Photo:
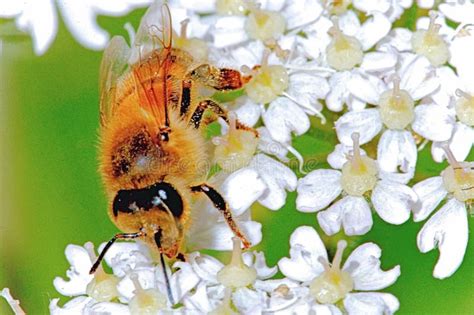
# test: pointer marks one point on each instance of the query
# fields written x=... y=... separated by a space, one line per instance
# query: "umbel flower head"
x=387 y=91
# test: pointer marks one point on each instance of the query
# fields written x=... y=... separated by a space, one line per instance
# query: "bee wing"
x=150 y=67
x=154 y=32
x=113 y=65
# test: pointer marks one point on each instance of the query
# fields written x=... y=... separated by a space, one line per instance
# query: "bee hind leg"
x=221 y=79
x=197 y=117
x=222 y=206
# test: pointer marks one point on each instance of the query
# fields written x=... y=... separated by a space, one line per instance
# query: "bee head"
x=160 y=206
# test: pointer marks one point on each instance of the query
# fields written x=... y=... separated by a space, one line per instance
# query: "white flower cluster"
x=396 y=90
x=203 y=285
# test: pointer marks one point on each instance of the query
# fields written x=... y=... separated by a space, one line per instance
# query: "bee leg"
x=219 y=79
x=109 y=244
x=218 y=111
x=221 y=205
x=185 y=97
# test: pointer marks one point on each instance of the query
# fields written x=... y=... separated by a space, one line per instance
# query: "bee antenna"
x=163 y=266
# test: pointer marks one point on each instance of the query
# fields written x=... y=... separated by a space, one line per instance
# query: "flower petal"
x=277 y=177
x=126 y=256
x=366 y=122
x=317 y=190
x=352 y=212
x=397 y=150
x=78 y=273
x=306 y=89
x=338 y=93
x=366 y=88
x=107 y=308
x=267 y=145
x=430 y=193
x=433 y=122
x=257 y=260
x=284 y=117
x=393 y=201
x=460 y=144
x=242 y=188
x=364 y=266
x=371 y=303
x=247 y=111
x=219 y=235
x=81 y=19
x=373 y=30
x=305 y=249
x=414 y=72
x=183 y=280
x=74 y=306
x=297 y=14
x=447 y=229
x=229 y=30
x=40 y=19
x=248 y=301
x=378 y=61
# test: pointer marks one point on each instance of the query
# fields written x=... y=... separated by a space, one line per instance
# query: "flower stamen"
x=237 y=274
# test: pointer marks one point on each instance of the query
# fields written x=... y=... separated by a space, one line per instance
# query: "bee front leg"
x=219 y=79
x=222 y=206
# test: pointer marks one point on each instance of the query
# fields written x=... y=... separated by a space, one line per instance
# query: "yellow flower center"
x=264 y=25
x=267 y=83
x=194 y=46
x=145 y=302
x=103 y=287
x=458 y=178
x=430 y=44
x=343 y=52
x=396 y=107
x=359 y=173
x=465 y=108
x=333 y=284
x=237 y=274
x=235 y=149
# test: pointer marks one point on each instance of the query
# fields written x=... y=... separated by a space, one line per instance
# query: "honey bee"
x=151 y=116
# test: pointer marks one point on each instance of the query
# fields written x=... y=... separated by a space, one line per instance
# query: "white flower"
x=309 y=264
x=233 y=283
x=285 y=101
x=39 y=18
x=395 y=109
x=208 y=227
x=458 y=11
x=447 y=229
x=391 y=199
x=137 y=284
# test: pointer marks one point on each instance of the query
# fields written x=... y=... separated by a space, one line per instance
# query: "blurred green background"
x=52 y=195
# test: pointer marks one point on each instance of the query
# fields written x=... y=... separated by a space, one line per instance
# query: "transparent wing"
x=154 y=32
x=114 y=63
